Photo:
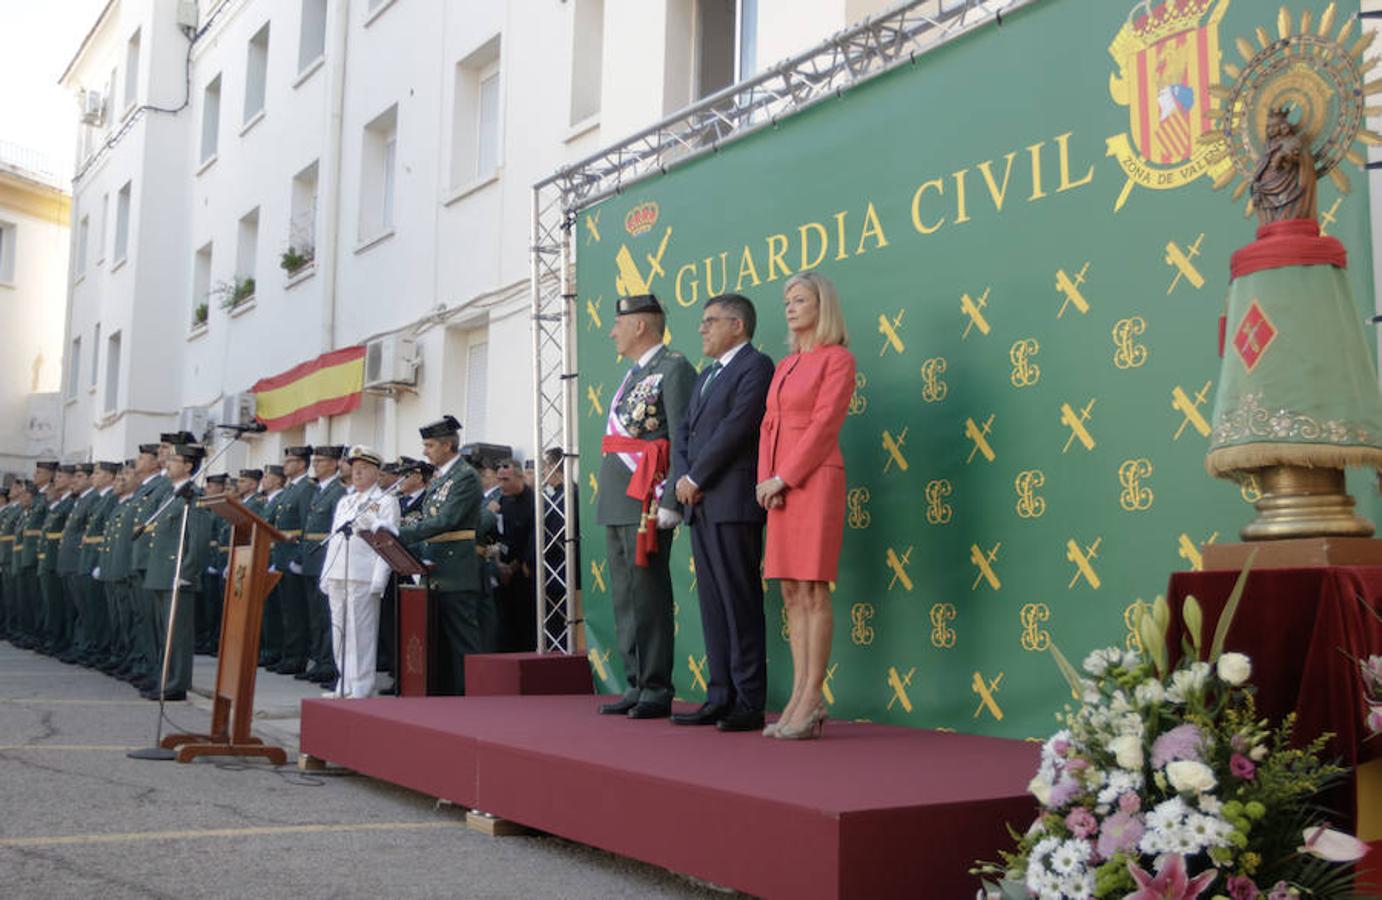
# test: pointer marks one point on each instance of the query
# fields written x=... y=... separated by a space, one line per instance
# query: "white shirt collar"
x=648 y=357
x=299 y=478
x=730 y=353
x=323 y=485
x=417 y=493
x=107 y=489
x=273 y=495
x=178 y=484
x=151 y=477
x=446 y=466
x=85 y=492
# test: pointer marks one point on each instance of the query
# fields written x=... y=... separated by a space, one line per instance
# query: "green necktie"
x=714 y=370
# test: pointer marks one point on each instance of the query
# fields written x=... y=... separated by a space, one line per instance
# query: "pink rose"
x=1241 y=887
x=1081 y=822
x=1242 y=767
x=1375 y=718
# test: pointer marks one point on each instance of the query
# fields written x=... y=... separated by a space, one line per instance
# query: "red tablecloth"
x=1293 y=623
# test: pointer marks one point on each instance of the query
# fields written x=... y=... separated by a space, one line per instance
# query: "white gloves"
x=96 y=572
x=273 y=568
x=667 y=519
x=211 y=570
x=295 y=567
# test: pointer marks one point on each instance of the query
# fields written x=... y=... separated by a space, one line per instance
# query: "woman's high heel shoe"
x=809 y=730
x=770 y=730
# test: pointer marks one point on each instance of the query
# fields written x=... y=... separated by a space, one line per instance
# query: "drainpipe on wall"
x=329 y=242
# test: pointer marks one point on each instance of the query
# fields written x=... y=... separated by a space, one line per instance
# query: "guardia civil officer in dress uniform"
x=7 y=513
x=57 y=627
x=272 y=511
x=74 y=581
x=24 y=563
x=293 y=587
x=152 y=489
x=98 y=605
x=316 y=529
x=450 y=516
x=212 y=596
x=113 y=560
x=163 y=572
x=248 y=485
x=638 y=514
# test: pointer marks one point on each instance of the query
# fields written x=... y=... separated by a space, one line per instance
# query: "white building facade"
x=35 y=210
x=264 y=181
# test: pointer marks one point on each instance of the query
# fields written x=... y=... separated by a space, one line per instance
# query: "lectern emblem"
x=414 y=655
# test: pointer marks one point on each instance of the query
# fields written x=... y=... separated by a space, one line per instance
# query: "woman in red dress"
x=801 y=482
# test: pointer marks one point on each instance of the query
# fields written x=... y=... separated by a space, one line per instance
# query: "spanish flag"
x=329 y=385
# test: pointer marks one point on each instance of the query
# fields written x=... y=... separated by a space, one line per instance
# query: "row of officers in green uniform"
x=88 y=559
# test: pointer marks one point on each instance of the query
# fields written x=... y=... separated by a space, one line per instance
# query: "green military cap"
x=328 y=451
x=150 y=449
x=638 y=303
x=86 y=468
x=273 y=469
x=446 y=425
x=254 y=474
x=111 y=467
x=68 y=469
x=177 y=437
x=219 y=478
x=49 y=464
x=304 y=452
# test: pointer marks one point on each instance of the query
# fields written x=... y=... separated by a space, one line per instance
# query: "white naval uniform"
x=353 y=579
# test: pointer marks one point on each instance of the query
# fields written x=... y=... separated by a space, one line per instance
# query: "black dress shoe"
x=168 y=697
x=618 y=707
x=742 y=719
x=326 y=676
x=708 y=714
x=307 y=674
x=651 y=711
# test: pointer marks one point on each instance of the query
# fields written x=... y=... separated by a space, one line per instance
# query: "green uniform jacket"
x=70 y=546
x=53 y=524
x=163 y=547
x=8 y=518
x=30 y=532
x=663 y=389
x=316 y=526
x=148 y=497
x=94 y=536
x=451 y=504
x=113 y=554
x=288 y=515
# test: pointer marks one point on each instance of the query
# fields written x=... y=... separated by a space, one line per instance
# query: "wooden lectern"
x=248 y=582
x=414 y=655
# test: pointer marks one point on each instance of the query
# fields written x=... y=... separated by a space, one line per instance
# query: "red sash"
x=652 y=470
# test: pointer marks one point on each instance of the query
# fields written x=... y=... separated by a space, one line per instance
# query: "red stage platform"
x=868 y=811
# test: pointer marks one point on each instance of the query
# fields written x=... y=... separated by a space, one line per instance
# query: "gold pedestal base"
x=1301 y=502
x=1294 y=553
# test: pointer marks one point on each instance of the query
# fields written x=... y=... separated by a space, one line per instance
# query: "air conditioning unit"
x=187 y=14
x=391 y=360
x=196 y=420
x=237 y=410
x=93 y=108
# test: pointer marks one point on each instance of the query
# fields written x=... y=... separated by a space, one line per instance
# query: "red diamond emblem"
x=1254 y=335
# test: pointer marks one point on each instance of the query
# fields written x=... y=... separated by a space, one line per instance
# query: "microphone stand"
x=186 y=492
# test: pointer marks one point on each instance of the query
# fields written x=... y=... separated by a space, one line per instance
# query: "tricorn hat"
x=638 y=303
x=446 y=425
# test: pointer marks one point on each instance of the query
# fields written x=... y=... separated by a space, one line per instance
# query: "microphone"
x=255 y=427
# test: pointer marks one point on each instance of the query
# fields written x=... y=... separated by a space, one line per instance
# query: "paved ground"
x=80 y=819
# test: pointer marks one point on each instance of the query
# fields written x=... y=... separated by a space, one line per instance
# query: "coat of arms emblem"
x=1168 y=57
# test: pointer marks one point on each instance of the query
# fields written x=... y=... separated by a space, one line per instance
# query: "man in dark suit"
x=714 y=468
x=517 y=619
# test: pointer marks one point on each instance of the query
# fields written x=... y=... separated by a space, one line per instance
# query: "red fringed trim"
x=1293 y=242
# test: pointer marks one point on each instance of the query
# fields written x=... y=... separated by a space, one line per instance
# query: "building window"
x=211 y=118
x=587 y=53
x=476 y=373
x=377 y=176
x=122 y=223
x=74 y=371
x=722 y=49
x=83 y=238
x=201 y=286
x=101 y=228
x=95 y=355
x=7 y=246
x=112 y=372
x=247 y=255
x=475 y=116
x=302 y=227
x=257 y=73
x=132 y=70
x=312 y=39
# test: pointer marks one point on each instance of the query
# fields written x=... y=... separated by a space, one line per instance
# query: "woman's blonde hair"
x=830 y=318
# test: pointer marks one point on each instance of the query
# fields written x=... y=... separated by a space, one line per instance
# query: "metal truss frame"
x=857 y=54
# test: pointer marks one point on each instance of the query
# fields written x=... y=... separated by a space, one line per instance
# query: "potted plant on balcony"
x=235 y=292
x=199 y=315
x=296 y=258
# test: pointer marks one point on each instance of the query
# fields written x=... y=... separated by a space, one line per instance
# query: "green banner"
x=1033 y=264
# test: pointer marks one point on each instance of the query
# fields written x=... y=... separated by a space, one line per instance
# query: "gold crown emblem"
x=641 y=218
x=1150 y=21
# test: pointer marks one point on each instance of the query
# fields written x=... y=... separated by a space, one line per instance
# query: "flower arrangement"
x=1165 y=783
x=1372 y=684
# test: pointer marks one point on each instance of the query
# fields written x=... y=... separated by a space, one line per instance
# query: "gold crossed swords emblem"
x=592 y=226
x=1330 y=216
x=974 y=310
x=698 y=672
x=1190 y=553
x=1180 y=260
x=899 y=564
x=597 y=571
x=890 y=328
x=1076 y=423
x=894 y=447
x=1190 y=409
x=899 y=684
x=984 y=563
x=826 y=690
x=1082 y=557
x=592 y=309
x=978 y=434
x=595 y=394
x=986 y=690
x=1070 y=289
x=630 y=280
x=598 y=660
